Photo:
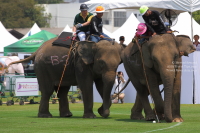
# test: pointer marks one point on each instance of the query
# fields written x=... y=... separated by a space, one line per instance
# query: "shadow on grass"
x=133 y=121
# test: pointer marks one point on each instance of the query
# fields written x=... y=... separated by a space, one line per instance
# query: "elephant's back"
x=49 y=50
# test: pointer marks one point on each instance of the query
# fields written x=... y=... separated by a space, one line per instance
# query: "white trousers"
x=82 y=35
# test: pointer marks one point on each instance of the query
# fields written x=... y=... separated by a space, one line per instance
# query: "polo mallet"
x=73 y=39
x=122 y=88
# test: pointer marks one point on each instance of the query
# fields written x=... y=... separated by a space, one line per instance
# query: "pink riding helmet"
x=141 y=29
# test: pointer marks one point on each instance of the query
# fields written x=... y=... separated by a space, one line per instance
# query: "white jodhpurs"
x=82 y=35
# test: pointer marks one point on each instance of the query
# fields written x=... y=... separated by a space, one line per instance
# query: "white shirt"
x=121 y=85
x=197 y=47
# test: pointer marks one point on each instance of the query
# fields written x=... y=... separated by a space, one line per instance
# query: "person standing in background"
x=196 y=42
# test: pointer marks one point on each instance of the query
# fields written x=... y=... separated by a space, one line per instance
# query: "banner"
x=197 y=77
x=26 y=87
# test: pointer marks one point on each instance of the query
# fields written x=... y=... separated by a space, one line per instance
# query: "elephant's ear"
x=86 y=51
x=147 y=56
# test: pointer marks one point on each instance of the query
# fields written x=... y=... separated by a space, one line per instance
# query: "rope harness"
x=72 y=49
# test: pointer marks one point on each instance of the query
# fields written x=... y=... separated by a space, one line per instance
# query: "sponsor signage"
x=26 y=87
x=32 y=41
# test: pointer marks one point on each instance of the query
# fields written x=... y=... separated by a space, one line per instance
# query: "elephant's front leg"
x=176 y=97
x=87 y=92
x=63 y=102
x=85 y=82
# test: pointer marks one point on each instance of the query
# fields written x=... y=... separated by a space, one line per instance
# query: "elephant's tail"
x=32 y=57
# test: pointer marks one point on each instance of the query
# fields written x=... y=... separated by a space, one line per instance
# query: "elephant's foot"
x=48 y=115
x=178 y=120
x=67 y=114
x=105 y=113
x=137 y=116
x=150 y=117
x=89 y=115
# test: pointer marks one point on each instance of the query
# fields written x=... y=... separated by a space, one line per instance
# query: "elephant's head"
x=185 y=45
x=104 y=55
x=104 y=58
x=166 y=48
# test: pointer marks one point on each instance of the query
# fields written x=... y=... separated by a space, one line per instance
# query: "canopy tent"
x=177 y=5
x=67 y=29
x=127 y=30
x=107 y=32
x=6 y=37
x=35 y=29
x=29 y=44
x=183 y=25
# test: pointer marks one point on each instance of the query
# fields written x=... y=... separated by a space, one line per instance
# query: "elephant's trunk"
x=108 y=81
x=167 y=76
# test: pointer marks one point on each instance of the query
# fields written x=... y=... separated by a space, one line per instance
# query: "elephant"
x=160 y=60
x=90 y=62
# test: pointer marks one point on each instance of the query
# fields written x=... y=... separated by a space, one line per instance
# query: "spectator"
x=196 y=42
x=1 y=72
x=81 y=23
x=119 y=84
x=121 y=41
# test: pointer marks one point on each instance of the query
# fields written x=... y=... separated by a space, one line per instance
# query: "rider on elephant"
x=96 y=26
x=143 y=33
x=153 y=21
x=81 y=23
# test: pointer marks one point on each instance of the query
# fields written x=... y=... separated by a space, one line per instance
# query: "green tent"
x=29 y=44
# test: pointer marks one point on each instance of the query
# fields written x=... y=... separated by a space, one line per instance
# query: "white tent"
x=127 y=30
x=35 y=29
x=6 y=38
x=67 y=29
x=107 y=33
x=178 y=5
x=183 y=25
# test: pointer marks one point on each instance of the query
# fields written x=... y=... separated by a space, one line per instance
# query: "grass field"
x=23 y=119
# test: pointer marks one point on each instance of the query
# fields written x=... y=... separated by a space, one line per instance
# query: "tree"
x=48 y=1
x=196 y=16
x=22 y=14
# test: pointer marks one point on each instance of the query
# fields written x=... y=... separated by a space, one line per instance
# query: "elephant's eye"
x=101 y=63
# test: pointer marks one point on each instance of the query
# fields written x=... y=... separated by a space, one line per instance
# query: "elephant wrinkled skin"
x=162 y=63
x=92 y=62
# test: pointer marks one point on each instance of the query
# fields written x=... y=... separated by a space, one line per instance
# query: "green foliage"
x=48 y=1
x=22 y=14
x=196 y=16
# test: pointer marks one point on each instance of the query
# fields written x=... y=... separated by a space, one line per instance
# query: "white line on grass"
x=147 y=131
x=165 y=128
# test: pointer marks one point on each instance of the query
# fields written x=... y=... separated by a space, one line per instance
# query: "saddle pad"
x=63 y=40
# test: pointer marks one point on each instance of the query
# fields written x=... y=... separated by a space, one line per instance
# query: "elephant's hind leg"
x=136 y=111
x=44 y=105
x=63 y=102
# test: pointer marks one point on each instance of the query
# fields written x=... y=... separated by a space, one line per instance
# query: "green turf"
x=23 y=119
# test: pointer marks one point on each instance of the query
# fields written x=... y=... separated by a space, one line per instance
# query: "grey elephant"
x=162 y=64
x=91 y=62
